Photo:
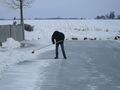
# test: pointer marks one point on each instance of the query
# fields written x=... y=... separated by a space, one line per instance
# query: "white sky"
x=64 y=8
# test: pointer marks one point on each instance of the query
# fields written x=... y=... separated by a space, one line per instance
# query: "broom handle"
x=47 y=46
x=59 y=41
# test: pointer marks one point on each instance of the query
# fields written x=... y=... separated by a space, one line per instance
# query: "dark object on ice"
x=28 y=27
x=74 y=38
x=95 y=38
x=117 y=37
x=92 y=38
x=85 y=38
x=59 y=37
x=33 y=51
x=0 y=43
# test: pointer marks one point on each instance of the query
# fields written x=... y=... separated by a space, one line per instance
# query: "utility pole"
x=21 y=17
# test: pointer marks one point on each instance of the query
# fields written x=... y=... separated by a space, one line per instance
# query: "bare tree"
x=112 y=15
x=19 y=4
x=118 y=17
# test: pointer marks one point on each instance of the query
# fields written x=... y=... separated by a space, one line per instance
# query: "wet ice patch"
x=118 y=87
x=93 y=76
x=92 y=87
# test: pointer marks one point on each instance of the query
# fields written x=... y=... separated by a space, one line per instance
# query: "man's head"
x=56 y=32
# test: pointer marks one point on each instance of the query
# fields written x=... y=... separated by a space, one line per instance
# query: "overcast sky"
x=64 y=8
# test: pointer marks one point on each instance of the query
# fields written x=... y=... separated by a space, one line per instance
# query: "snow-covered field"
x=11 y=52
x=99 y=29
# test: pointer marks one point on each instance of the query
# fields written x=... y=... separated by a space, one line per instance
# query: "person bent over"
x=58 y=39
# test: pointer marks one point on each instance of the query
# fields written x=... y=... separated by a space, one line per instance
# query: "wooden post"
x=21 y=17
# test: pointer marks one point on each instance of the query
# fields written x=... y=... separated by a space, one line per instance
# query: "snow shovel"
x=44 y=46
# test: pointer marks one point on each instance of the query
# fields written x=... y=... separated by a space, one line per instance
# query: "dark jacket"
x=58 y=37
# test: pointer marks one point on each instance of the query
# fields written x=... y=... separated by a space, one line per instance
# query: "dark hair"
x=56 y=32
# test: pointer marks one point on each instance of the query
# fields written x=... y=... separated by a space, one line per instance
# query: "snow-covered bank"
x=11 y=53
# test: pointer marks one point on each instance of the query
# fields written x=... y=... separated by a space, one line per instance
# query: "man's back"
x=58 y=36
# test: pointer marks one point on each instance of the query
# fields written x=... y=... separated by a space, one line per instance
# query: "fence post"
x=10 y=31
x=0 y=43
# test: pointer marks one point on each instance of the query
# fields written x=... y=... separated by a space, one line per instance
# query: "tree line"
x=111 y=15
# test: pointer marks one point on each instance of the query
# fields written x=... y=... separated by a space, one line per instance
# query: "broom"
x=44 y=47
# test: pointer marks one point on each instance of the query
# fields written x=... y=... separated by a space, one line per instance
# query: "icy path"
x=91 y=65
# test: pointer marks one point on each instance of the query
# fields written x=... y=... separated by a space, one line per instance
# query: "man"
x=59 y=37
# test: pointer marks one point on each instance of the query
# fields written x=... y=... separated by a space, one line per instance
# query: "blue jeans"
x=62 y=48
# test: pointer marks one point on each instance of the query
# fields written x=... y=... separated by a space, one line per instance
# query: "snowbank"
x=10 y=54
x=11 y=43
